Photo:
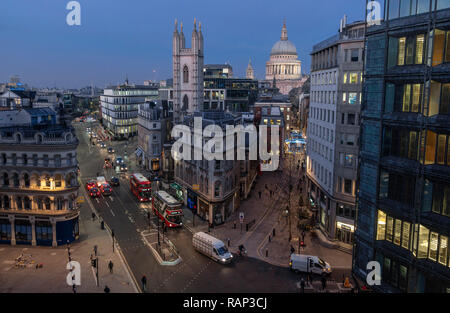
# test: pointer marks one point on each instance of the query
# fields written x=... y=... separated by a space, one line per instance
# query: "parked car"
x=110 y=150
x=94 y=192
x=102 y=145
x=115 y=181
x=90 y=184
x=211 y=247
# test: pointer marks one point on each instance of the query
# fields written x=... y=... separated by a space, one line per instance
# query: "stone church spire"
x=250 y=73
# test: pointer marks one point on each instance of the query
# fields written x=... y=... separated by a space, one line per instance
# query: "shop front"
x=23 y=232
x=203 y=209
x=67 y=230
x=155 y=164
x=191 y=201
x=5 y=231
x=344 y=230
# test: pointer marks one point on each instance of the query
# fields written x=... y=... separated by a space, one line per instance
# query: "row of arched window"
x=36 y=181
x=26 y=203
x=189 y=176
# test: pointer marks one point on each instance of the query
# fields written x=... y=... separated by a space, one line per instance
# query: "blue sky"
x=134 y=37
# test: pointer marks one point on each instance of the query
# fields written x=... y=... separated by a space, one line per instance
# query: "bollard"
x=270 y=239
x=267 y=253
x=234 y=226
x=228 y=242
x=102 y=225
x=273 y=232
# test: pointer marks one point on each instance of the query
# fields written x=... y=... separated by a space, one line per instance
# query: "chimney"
x=345 y=20
x=340 y=27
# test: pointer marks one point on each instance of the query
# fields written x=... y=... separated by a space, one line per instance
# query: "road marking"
x=112 y=199
x=107 y=203
x=96 y=199
x=112 y=213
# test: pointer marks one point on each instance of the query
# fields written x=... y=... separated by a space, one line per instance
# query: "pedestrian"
x=144 y=283
x=259 y=193
x=292 y=249
x=324 y=282
x=106 y=290
x=302 y=285
x=110 y=266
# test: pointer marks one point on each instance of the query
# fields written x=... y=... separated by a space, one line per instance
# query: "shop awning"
x=138 y=152
x=176 y=186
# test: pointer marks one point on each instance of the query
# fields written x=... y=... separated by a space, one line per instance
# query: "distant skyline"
x=118 y=39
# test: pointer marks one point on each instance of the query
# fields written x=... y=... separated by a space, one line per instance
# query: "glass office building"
x=403 y=214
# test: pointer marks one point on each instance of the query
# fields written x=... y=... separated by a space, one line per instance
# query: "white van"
x=309 y=264
x=211 y=247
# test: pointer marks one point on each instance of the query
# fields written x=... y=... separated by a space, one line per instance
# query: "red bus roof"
x=140 y=178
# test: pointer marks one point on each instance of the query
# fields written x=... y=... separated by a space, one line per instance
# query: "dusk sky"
x=134 y=37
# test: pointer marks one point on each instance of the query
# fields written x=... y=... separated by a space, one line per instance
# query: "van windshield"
x=322 y=262
x=222 y=250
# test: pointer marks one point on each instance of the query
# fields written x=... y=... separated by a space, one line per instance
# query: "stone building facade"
x=187 y=72
x=333 y=131
x=38 y=185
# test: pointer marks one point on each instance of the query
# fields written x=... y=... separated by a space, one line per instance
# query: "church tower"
x=250 y=73
x=187 y=72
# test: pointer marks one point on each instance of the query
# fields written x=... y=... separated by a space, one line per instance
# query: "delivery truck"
x=211 y=247
x=309 y=264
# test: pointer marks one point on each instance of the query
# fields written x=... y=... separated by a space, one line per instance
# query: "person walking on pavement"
x=302 y=285
x=106 y=290
x=144 y=283
x=110 y=266
x=324 y=282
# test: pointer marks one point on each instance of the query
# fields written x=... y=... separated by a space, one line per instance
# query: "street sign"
x=196 y=187
x=241 y=217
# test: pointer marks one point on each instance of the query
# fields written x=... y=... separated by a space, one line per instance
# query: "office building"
x=333 y=129
x=403 y=212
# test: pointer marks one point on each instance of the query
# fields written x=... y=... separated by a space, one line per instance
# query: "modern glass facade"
x=403 y=195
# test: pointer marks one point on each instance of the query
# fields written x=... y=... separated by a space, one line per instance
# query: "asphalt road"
x=196 y=273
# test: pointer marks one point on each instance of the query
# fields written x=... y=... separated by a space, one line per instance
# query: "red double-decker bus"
x=167 y=208
x=141 y=187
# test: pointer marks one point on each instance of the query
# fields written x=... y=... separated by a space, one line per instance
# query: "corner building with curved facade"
x=38 y=180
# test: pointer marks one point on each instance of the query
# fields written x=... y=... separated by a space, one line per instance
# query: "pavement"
x=51 y=278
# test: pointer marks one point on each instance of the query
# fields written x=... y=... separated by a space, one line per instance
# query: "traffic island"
x=163 y=249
